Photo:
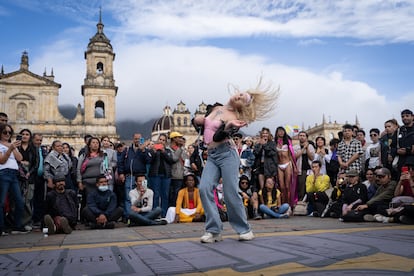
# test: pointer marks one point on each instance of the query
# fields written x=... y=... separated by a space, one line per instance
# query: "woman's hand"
x=235 y=123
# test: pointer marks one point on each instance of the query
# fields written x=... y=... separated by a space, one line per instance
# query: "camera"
x=19 y=137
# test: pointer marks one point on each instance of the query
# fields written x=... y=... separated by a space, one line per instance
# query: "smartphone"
x=158 y=146
x=142 y=140
x=19 y=137
x=404 y=169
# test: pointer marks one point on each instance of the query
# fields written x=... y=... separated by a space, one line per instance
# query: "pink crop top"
x=210 y=127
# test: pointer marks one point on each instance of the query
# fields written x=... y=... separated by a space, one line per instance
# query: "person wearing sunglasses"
x=373 y=151
x=379 y=203
x=9 y=156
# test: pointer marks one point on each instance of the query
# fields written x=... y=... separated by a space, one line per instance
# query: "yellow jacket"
x=320 y=185
x=183 y=201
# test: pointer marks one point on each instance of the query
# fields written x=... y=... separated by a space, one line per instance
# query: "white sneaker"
x=246 y=236
x=211 y=237
x=381 y=218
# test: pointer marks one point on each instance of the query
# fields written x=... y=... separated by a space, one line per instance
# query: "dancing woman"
x=220 y=122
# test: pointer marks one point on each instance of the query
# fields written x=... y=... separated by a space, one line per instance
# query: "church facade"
x=31 y=101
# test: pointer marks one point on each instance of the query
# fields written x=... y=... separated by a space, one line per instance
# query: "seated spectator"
x=316 y=186
x=401 y=206
x=188 y=206
x=141 y=213
x=270 y=201
x=370 y=182
x=101 y=209
x=249 y=197
x=354 y=194
x=380 y=201
x=334 y=207
x=61 y=211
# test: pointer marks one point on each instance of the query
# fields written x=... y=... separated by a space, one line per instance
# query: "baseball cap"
x=175 y=134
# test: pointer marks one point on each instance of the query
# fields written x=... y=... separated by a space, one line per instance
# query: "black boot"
x=256 y=215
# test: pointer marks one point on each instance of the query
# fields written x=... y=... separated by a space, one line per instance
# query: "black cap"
x=58 y=178
x=406 y=111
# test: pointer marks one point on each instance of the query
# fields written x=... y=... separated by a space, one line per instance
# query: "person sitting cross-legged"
x=270 y=201
x=188 y=207
x=61 y=212
x=101 y=209
x=141 y=212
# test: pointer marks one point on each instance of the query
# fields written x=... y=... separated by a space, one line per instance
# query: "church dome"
x=165 y=123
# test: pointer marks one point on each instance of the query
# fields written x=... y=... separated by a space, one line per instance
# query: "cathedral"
x=31 y=101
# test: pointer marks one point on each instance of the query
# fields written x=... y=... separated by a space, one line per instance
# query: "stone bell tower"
x=99 y=90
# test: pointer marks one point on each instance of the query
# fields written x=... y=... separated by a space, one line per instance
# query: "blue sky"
x=339 y=58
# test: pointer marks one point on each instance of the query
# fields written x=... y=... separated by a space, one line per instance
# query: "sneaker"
x=383 y=219
x=211 y=237
x=406 y=219
x=369 y=218
x=64 y=223
x=28 y=228
x=246 y=236
x=109 y=225
x=284 y=216
x=161 y=222
x=2 y=233
x=20 y=230
x=50 y=224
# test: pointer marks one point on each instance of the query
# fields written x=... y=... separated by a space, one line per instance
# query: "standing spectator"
x=9 y=156
x=286 y=167
x=101 y=209
x=160 y=173
x=405 y=144
x=322 y=153
x=90 y=166
x=112 y=159
x=265 y=158
x=195 y=161
x=3 y=118
x=141 y=212
x=270 y=201
x=57 y=163
x=179 y=156
x=317 y=184
x=132 y=162
x=304 y=154
x=247 y=157
x=28 y=170
x=332 y=167
x=349 y=151
x=188 y=207
x=364 y=144
x=373 y=151
x=83 y=150
x=389 y=146
x=61 y=208
x=69 y=152
x=39 y=195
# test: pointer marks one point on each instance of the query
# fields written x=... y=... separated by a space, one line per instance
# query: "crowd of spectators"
x=156 y=182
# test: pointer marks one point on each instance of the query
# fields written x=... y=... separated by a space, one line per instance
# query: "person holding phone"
x=132 y=161
x=9 y=171
x=219 y=124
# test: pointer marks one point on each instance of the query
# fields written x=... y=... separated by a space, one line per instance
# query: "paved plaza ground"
x=294 y=246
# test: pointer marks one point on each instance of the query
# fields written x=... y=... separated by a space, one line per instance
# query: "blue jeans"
x=129 y=185
x=267 y=211
x=160 y=185
x=146 y=218
x=223 y=161
x=10 y=183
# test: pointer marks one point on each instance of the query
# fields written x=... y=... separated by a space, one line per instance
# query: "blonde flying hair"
x=261 y=105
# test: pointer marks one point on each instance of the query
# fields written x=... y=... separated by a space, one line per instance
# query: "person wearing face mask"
x=61 y=211
x=101 y=210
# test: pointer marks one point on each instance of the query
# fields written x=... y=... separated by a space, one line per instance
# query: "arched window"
x=21 y=112
x=185 y=121
x=99 y=68
x=179 y=121
x=99 y=109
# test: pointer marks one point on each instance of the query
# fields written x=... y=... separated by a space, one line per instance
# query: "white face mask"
x=103 y=188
